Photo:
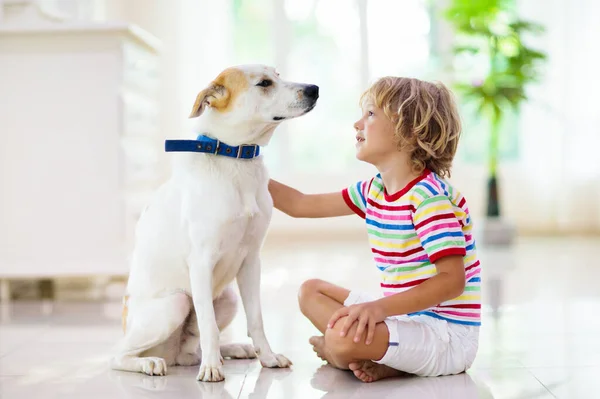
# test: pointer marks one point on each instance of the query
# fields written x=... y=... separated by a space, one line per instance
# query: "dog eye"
x=265 y=83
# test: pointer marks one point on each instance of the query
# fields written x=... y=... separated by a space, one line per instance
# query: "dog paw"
x=238 y=351
x=210 y=373
x=187 y=359
x=153 y=366
x=274 y=360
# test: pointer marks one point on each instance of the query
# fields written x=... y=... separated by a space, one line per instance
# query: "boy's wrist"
x=386 y=308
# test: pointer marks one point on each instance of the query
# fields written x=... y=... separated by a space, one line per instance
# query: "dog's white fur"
x=203 y=229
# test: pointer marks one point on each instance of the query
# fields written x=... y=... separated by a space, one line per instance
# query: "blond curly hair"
x=426 y=119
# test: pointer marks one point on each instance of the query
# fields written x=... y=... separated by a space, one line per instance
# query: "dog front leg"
x=201 y=270
x=248 y=280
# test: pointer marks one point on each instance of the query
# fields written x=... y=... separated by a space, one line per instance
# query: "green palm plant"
x=491 y=29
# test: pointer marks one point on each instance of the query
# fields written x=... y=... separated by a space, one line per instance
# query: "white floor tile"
x=509 y=384
x=180 y=384
x=537 y=339
x=570 y=382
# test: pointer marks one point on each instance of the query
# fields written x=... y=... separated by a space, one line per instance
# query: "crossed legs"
x=318 y=301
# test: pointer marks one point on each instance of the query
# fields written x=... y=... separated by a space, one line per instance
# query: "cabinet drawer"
x=140 y=115
x=140 y=69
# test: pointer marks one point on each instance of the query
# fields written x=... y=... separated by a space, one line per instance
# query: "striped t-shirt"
x=412 y=229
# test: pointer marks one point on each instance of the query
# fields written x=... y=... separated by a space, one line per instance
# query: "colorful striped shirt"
x=412 y=229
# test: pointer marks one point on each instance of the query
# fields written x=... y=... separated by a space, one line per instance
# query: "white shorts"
x=424 y=345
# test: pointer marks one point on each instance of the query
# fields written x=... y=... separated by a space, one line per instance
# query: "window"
x=340 y=45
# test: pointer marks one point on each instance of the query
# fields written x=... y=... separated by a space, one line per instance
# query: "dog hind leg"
x=151 y=325
x=190 y=343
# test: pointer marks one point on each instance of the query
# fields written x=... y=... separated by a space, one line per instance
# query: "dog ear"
x=215 y=96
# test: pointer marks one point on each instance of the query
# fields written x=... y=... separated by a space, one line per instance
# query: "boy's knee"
x=308 y=290
x=341 y=348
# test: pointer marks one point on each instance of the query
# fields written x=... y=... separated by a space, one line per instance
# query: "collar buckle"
x=243 y=146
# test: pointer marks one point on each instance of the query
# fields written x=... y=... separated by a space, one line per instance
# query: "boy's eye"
x=370 y=113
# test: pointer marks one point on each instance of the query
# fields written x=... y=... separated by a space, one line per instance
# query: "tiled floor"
x=539 y=339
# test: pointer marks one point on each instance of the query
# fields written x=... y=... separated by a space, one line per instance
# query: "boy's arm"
x=448 y=284
x=296 y=204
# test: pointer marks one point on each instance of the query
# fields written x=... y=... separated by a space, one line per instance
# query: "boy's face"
x=375 y=136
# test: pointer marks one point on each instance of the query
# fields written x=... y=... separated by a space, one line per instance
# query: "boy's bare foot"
x=367 y=371
x=318 y=344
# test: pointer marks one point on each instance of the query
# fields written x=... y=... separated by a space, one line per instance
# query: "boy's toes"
x=318 y=344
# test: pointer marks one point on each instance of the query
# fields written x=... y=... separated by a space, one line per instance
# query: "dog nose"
x=311 y=91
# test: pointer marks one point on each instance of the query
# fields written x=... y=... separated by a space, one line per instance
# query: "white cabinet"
x=79 y=146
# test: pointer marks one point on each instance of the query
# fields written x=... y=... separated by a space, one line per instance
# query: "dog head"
x=244 y=104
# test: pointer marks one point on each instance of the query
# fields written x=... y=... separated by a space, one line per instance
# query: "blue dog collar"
x=213 y=146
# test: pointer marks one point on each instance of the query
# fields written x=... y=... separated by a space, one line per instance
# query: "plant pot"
x=494 y=231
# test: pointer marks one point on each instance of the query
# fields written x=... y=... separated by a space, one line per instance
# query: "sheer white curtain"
x=557 y=181
x=553 y=185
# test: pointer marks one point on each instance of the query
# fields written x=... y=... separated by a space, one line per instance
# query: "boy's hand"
x=366 y=314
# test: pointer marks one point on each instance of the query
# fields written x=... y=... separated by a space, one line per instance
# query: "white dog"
x=205 y=227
